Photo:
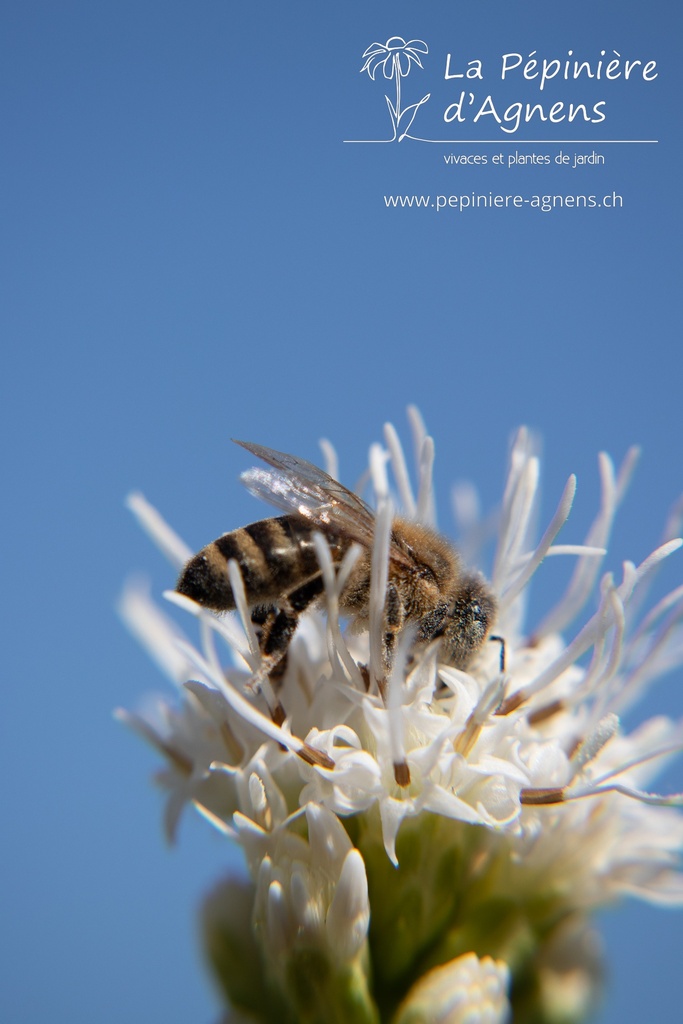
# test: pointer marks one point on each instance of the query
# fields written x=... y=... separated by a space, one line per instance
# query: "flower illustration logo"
x=395 y=58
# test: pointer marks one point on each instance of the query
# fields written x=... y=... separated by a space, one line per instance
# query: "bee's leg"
x=277 y=674
x=432 y=624
x=276 y=626
x=263 y=616
x=394 y=618
x=428 y=627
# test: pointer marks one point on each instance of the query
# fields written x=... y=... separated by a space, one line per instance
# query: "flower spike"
x=426 y=839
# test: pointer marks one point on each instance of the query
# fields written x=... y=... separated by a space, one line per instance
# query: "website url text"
x=490 y=200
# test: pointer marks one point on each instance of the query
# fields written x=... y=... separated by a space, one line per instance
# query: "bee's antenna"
x=500 y=640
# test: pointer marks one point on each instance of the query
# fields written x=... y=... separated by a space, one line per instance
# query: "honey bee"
x=427 y=586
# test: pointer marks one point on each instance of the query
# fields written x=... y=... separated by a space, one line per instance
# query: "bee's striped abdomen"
x=274 y=555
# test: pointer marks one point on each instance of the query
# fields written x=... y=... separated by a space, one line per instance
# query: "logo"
x=396 y=57
x=551 y=93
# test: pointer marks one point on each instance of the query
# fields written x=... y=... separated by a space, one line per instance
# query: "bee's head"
x=469 y=622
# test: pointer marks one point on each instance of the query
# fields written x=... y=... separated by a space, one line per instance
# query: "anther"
x=511 y=703
x=278 y=714
x=553 y=795
x=315 y=757
x=402 y=774
x=547 y=711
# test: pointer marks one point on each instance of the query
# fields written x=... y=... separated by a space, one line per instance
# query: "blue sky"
x=191 y=253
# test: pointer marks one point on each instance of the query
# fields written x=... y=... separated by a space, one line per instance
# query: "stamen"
x=418 y=430
x=244 y=708
x=260 y=666
x=205 y=696
x=156 y=527
x=425 y=495
x=208 y=645
x=591 y=747
x=512 y=702
x=652 y=561
x=584 y=576
x=652 y=799
x=576 y=549
x=546 y=712
x=394 y=704
x=674 y=599
x=315 y=757
x=398 y=464
x=556 y=524
x=379 y=564
x=240 y=596
x=520 y=454
x=533 y=797
x=672 y=529
x=602 y=785
x=670 y=750
x=517 y=523
x=330 y=456
x=378 y=472
x=140 y=726
x=278 y=713
x=214 y=820
x=226 y=627
x=594 y=629
x=674 y=522
x=626 y=472
x=337 y=649
x=650 y=664
x=485 y=707
x=232 y=744
x=600 y=674
x=154 y=631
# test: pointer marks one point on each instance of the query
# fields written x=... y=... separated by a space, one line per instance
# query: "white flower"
x=394 y=57
x=310 y=894
x=463 y=991
x=483 y=811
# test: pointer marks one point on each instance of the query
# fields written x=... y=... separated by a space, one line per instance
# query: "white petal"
x=348 y=917
x=464 y=991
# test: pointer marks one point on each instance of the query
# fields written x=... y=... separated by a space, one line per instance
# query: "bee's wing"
x=295 y=485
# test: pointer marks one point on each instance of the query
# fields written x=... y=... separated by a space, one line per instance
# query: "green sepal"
x=322 y=993
x=413 y=903
x=234 y=956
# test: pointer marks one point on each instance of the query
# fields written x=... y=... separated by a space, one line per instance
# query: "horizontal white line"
x=518 y=142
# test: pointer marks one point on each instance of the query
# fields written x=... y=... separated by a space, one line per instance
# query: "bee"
x=427 y=586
